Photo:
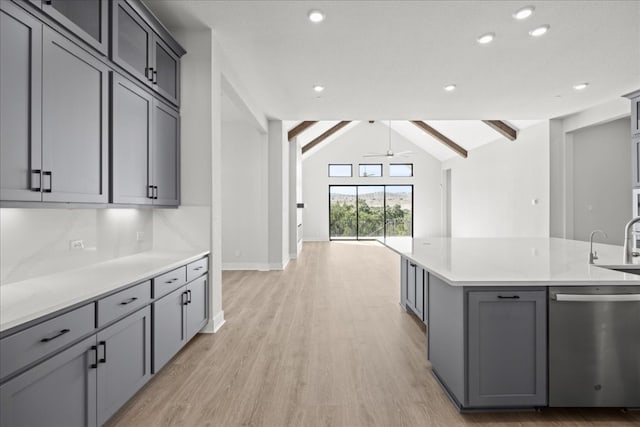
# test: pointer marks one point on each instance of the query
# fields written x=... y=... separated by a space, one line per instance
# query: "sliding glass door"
x=370 y=211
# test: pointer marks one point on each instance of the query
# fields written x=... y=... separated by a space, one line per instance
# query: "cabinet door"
x=131 y=42
x=166 y=72
x=74 y=126
x=61 y=391
x=635 y=156
x=168 y=327
x=419 y=307
x=87 y=19
x=130 y=145
x=635 y=116
x=124 y=361
x=404 y=265
x=20 y=85
x=411 y=285
x=507 y=348
x=197 y=304
x=166 y=155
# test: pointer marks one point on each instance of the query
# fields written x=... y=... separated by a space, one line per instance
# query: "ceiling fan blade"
x=402 y=153
x=374 y=155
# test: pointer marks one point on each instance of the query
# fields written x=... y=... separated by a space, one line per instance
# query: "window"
x=401 y=169
x=340 y=170
x=371 y=170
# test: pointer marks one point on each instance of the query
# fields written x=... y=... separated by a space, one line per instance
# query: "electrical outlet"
x=139 y=236
x=76 y=245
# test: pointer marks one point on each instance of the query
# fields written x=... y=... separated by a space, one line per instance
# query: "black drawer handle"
x=129 y=301
x=509 y=297
x=198 y=268
x=171 y=280
x=59 y=334
x=104 y=352
x=412 y=264
x=94 y=365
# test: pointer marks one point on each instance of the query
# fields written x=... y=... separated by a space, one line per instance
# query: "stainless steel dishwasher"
x=594 y=346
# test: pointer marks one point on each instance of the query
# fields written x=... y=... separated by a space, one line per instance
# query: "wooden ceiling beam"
x=441 y=138
x=299 y=128
x=324 y=136
x=502 y=128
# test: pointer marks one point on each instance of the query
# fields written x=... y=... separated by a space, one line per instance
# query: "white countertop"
x=514 y=261
x=27 y=300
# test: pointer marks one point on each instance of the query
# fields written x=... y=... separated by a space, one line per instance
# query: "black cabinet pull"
x=37 y=172
x=189 y=297
x=129 y=301
x=184 y=297
x=412 y=264
x=48 y=2
x=154 y=80
x=198 y=268
x=508 y=297
x=171 y=280
x=50 y=175
x=94 y=365
x=104 y=352
x=155 y=191
x=150 y=191
x=59 y=334
x=148 y=73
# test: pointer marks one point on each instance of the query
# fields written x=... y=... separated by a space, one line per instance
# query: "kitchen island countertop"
x=535 y=261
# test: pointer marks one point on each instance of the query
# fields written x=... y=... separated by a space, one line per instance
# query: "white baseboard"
x=231 y=266
x=278 y=265
x=214 y=324
x=316 y=239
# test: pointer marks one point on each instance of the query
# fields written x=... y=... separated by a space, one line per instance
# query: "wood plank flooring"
x=323 y=343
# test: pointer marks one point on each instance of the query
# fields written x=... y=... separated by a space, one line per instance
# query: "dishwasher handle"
x=597 y=298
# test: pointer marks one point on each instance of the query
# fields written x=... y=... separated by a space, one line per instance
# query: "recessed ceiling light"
x=581 y=86
x=450 y=88
x=537 y=32
x=524 y=13
x=486 y=38
x=316 y=16
x=318 y=88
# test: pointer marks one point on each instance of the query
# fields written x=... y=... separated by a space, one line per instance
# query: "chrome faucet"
x=628 y=241
x=594 y=255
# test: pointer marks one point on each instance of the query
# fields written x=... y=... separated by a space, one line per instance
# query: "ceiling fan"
x=389 y=154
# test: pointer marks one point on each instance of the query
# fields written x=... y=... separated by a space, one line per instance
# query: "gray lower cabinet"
x=75 y=96
x=124 y=362
x=177 y=317
x=58 y=392
x=413 y=282
x=488 y=345
x=411 y=285
x=507 y=348
x=20 y=114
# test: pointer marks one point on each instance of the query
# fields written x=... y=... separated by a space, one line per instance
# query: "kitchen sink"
x=630 y=268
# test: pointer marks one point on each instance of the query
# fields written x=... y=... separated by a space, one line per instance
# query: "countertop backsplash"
x=36 y=242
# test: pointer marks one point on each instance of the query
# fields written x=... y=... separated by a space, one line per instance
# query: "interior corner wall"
x=349 y=148
x=278 y=179
x=295 y=196
x=602 y=180
x=244 y=197
x=558 y=152
x=502 y=189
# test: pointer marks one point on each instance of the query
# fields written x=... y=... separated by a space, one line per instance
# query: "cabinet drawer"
x=30 y=345
x=167 y=282
x=197 y=268
x=123 y=302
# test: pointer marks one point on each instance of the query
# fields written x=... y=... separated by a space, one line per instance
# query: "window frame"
x=400 y=164
x=340 y=164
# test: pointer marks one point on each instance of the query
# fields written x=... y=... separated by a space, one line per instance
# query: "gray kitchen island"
x=521 y=323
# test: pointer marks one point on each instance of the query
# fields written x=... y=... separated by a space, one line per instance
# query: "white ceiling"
x=390 y=59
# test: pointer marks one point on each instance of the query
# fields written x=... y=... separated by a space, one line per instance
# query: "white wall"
x=494 y=188
x=35 y=242
x=244 y=197
x=602 y=180
x=278 y=176
x=349 y=148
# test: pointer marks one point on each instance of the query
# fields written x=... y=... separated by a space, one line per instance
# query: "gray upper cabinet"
x=635 y=115
x=59 y=392
x=507 y=348
x=87 y=19
x=145 y=151
x=141 y=52
x=74 y=123
x=131 y=143
x=635 y=157
x=165 y=169
x=124 y=362
x=21 y=88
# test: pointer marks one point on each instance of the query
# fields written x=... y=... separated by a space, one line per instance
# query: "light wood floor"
x=322 y=343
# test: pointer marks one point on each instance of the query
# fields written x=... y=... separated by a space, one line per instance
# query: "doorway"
x=368 y=212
